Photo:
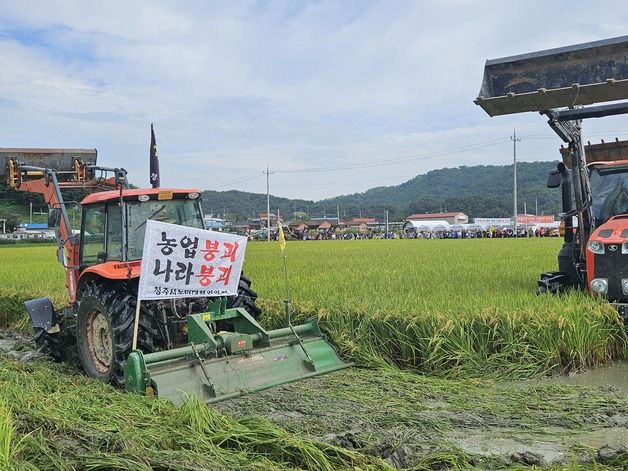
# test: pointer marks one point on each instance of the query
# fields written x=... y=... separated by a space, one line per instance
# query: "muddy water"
x=615 y=375
x=407 y=418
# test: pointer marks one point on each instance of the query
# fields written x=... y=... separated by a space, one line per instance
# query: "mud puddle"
x=614 y=376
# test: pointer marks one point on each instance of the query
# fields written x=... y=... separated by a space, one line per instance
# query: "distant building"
x=33 y=231
x=214 y=224
x=450 y=217
x=363 y=224
x=318 y=224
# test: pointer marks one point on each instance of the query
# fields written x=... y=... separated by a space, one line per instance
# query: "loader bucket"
x=60 y=160
x=556 y=78
x=214 y=374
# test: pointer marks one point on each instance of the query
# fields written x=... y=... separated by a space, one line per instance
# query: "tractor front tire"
x=104 y=330
x=245 y=298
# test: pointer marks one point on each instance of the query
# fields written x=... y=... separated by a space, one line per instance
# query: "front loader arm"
x=67 y=243
x=69 y=172
x=570 y=131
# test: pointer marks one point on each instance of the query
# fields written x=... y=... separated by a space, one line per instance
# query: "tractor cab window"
x=93 y=241
x=114 y=231
x=610 y=193
x=183 y=212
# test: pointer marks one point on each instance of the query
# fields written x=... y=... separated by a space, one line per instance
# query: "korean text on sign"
x=182 y=262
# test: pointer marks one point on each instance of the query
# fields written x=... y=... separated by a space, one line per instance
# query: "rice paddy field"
x=452 y=348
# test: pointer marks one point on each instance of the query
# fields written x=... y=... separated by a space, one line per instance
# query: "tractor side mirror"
x=554 y=179
x=54 y=217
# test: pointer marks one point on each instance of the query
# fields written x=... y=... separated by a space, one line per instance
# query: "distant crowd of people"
x=484 y=233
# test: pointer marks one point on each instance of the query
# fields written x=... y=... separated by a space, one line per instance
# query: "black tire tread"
x=246 y=298
x=50 y=345
x=120 y=310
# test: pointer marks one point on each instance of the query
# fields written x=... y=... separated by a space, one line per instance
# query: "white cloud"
x=296 y=84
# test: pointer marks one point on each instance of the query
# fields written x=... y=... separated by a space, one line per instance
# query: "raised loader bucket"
x=60 y=160
x=556 y=78
x=216 y=367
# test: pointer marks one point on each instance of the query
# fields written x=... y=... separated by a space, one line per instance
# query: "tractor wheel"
x=49 y=344
x=104 y=330
x=246 y=298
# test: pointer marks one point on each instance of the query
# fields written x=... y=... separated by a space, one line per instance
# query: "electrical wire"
x=410 y=158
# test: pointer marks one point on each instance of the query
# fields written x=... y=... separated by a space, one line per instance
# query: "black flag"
x=154 y=160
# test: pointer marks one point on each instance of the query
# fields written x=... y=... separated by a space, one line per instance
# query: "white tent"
x=426 y=225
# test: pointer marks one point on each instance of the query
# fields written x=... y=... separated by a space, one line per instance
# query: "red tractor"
x=103 y=260
x=561 y=84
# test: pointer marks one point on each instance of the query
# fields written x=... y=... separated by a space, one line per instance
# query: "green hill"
x=479 y=191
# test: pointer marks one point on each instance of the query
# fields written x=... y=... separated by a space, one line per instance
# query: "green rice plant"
x=6 y=435
x=445 y=307
x=66 y=421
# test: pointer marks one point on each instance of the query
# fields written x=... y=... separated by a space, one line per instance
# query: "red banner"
x=532 y=219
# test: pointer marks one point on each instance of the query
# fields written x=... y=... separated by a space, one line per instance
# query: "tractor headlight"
x=624 y=285
x=596 y=247
x=624 y=248
x=599 y=285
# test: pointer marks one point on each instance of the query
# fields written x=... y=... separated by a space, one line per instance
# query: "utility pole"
x=30 y=217
x=337 y=214
x=268 y=173
x=515 y=139
x=386 y=223
x=536 y=205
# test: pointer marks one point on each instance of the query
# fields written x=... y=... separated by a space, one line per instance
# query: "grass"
x=109 y=430
x=449 y=308
x=455 y=308
x=446 y=307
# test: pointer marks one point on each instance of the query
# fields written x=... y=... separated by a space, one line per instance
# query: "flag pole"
x=136 y=323
x=287 y=301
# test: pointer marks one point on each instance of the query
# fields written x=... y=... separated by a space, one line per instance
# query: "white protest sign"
x=185 y=262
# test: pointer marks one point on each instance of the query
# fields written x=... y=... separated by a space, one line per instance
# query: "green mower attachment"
x=218 y=366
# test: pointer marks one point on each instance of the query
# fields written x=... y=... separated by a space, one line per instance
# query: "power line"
x=379 y=163
x=238 y=180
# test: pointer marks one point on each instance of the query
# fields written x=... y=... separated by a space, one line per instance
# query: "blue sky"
x=232 y=86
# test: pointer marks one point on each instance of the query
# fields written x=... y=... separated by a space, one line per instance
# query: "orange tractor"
x=103 y=260
x=565 y=84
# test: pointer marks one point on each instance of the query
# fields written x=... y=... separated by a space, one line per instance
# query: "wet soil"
x=17 y=346
x=419 y=422
x=414 y=421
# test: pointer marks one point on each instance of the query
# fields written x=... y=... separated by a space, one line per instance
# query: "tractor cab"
x=609 y=188
x=607 y=246
x=113 y=223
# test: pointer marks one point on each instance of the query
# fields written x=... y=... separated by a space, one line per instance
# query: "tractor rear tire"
x=104 y=330
x=51 y=345
x=245 y=298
